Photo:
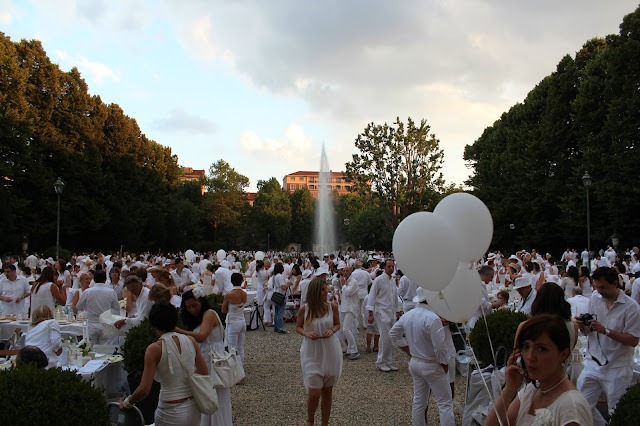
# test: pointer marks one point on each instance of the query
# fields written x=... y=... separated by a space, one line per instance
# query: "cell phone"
x=522 y=368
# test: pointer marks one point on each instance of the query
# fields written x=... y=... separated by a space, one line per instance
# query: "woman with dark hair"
x=203 y=324
x=570 y=281
x=295 y=278
x=550 y=300
x=46 y=291
x=176 y=405
x=584 y=279
x=278 y=284
x=542 y=348
x=320 y=354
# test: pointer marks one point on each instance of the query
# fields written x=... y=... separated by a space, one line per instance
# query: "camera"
x=586 y=318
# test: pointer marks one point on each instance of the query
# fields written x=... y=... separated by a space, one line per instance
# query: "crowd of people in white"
x=364 y=291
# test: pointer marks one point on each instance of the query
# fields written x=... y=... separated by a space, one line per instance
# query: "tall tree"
x=302 y=216
x=272 y=213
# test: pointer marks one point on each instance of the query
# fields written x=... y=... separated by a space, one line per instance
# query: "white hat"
x=321 y=270
x=521 y=282
x=421 y=295
x=491 y=257
x=553 y=279
x=307 y=273
x=341 y=265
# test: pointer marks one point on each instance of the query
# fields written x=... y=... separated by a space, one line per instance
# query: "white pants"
x=349 y=324
x=267 y=311
x=365 y=314
x=182 y=413
x=385 y=348
x=613 y=381
x=427 y=377
x=236 y=333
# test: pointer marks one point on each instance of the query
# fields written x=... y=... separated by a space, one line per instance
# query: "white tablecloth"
x=7 y=329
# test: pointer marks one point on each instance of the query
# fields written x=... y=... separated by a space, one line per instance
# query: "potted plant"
x=502 y=325
x=33 y=396
x=133 y=350
x=627 y=411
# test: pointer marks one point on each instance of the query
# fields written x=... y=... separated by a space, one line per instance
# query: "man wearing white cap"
x=304 y=286
x=426 y=345
x=350 y=307
x=383 y=301
x=527 y=294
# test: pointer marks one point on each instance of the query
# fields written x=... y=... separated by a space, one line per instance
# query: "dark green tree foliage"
x=302 y=217
x=119 y=185
x=583 y=117
x=271 y=214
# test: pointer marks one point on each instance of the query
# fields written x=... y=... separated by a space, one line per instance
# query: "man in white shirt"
x=181 y=275
x=363 y=279
x=612 y=337
x=14 y=289
x=406 y=291
x=527 y=294
x=98 y=299
x=486 y=276
x=350 y=307
x=579 y=303
x=610 y=253
x=425 y=344
x=222 y=277
x=383 y=301
x=143 y=304
x=585 y=257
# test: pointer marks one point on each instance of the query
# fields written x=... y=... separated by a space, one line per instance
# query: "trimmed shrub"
x=503 y=325
x=627 y=411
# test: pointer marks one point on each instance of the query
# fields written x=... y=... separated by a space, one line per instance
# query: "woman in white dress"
x=204 y=325
x=47 y=292
x=542 y=348
x=176 y=405
x=233 y=306
x=320 y=354
x=45 y=334
x=261 y=277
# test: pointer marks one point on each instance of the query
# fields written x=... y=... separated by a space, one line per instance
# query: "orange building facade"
x=311 y=181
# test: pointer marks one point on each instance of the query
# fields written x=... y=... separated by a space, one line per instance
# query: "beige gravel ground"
x=275 y=395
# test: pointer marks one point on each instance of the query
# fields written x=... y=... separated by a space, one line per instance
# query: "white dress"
x=321 y=359
x=215 y=343
x=43 y=297
x=571 y=406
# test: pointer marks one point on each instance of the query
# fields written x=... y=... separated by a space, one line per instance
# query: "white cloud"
x=90 y=70
x=292 y=147
x=178 y=120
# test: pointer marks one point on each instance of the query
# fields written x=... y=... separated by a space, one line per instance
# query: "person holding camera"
x=613 y=329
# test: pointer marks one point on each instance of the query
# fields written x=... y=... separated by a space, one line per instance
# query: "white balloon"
x=189 y=254
x=221 y=255
x=426 y=250
x=461 y=298
x=471 y=220
x=259 y=255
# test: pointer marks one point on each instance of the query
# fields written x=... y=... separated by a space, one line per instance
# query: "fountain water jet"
x=325 y=230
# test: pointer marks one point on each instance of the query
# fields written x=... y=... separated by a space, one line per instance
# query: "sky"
x=263 y=84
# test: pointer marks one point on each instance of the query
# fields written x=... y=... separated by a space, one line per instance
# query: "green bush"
x=32 y=396
x=135 y=345
x=627 y=411
x=503 y=325
x=215 y=301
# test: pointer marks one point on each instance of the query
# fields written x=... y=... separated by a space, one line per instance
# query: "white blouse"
x=46 y=337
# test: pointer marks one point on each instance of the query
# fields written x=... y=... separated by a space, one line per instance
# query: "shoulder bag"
x=225 y=369
x=204 y=394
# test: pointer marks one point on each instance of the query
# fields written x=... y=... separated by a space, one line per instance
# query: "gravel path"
x=275 y=395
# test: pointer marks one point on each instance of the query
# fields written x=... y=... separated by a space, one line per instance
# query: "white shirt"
x=143 y=307
x=304 y=287
x=46 y=337
x=14 y=290
x=525 y=304
x=406 y=289
x=363 y=279
x=579 y=305
x=424 y=334
x=485 y=304
x=183 y=278
x=223 y=280
x=97 y=299
x=623 y=317
x=350 y=301
x=383 y=297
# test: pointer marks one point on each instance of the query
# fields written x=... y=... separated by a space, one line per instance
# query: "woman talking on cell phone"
x=549 y=397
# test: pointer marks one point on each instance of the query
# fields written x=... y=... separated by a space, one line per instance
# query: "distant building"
x=190 y=175
x=311 y=181
x=250 y=197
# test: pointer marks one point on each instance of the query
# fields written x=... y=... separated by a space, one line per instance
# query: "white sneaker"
x=384 y=368
x=393 y=367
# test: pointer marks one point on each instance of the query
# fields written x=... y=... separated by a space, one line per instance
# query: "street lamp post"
x=268 y=240
x=586 y=180
x=58 y=187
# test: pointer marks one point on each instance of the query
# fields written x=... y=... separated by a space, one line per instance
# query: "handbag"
x=204 y=394
x=278 y=298
x=225 y=369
